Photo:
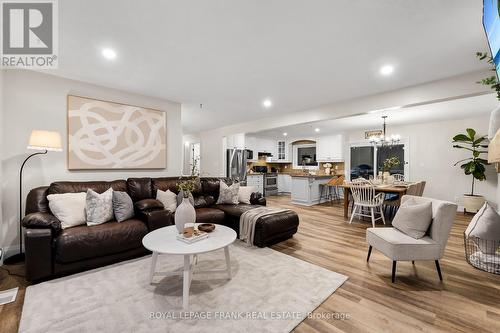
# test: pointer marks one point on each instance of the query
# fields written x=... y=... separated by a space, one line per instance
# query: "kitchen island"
x=306 y=189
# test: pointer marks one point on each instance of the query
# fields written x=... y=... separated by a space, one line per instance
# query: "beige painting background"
x=108 y=135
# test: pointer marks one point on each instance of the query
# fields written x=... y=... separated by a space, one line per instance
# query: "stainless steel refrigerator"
x=236 y=164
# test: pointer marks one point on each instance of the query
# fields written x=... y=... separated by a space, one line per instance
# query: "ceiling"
x=230 y=55
x=455 y=109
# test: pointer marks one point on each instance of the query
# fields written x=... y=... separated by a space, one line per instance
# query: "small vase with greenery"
x=185 y=214
x=187 y=186
x=390 y=163
x=474 y=165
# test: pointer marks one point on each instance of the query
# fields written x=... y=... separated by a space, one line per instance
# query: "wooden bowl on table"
x=207 y=227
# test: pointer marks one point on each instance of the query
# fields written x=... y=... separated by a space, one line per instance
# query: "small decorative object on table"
x=328 y=168
x=192 y=237
x=207 y=227
x=185 y=213
x=389 y=163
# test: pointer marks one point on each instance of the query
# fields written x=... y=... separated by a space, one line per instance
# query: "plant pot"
x=184 y=213
x=472 y=203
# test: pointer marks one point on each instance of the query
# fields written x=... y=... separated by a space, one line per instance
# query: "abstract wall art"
x=106 y=135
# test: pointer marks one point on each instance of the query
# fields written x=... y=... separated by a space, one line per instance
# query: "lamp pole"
x=19 y=257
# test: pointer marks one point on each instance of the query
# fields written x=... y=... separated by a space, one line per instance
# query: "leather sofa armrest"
x=156 y=219
x=147 y=205
x=41 y=220
x=257 y=199
x=38 y=249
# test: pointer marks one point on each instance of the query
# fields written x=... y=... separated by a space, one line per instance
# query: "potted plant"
x=388 y=164
x=473 y=166
x=492 y=82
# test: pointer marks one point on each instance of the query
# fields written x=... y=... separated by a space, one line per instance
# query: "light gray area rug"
x=269 y=292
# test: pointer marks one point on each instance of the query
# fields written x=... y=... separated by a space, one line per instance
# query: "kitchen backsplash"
x=337 y=167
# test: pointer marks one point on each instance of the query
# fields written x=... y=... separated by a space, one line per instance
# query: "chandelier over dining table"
x=384 y=140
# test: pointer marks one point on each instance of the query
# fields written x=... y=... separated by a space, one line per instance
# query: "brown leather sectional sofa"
x=52 y=251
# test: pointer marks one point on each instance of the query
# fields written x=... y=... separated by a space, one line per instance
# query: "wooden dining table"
x=398 y=190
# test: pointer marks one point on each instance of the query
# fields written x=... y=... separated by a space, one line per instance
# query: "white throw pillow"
x=244 y=194
x=413 y=219
x=69 y=208
x=99 y=207
x=228 y=194
x=485 y=225
x=168 y=199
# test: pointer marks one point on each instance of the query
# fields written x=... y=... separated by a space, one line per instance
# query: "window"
x=362 y=159
x=304 y=156
x=367 y=160
x=384 y=153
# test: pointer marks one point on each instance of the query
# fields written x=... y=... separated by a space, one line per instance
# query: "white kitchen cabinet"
x=256 y=181
x=250 y=144
x=329 y=148
x=282 y=152
x=284 y=183
x=236 y=141
x=265 y=145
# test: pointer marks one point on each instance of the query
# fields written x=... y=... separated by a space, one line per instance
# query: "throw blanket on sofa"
x=250 y=217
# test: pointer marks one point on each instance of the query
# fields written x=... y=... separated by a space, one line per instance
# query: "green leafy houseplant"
x=390 y=163
x=492 y=80
x=474 y=165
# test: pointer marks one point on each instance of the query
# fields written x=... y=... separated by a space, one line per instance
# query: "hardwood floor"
x=468 y=300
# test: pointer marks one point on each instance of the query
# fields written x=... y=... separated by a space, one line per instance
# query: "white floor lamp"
x=39 y=140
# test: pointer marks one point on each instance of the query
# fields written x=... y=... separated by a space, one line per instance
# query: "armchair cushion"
x=399 y=246
x=413 y=219
x=148 y=204
x=41 y=220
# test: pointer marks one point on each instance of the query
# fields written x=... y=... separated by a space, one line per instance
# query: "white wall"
x=211 y=141
x=35 y=100
x=432 y=157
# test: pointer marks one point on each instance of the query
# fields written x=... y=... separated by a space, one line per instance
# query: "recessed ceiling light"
x=386 y=70
x=285 y=134
x=108 y=53
x=267 y=103
x=316 y=130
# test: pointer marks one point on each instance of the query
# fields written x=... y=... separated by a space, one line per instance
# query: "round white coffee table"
x=164 y=241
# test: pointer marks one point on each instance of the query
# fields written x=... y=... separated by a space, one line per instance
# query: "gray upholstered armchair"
x=401 y=247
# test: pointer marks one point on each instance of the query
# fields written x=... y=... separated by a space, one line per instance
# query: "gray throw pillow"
x=99 y=207
x=485 y=226
x=413 y=219
x=123 y=207
x=228 y=194
x=180 y=196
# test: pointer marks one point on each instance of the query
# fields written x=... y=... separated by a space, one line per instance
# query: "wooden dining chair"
x=391 y=206
x=421 y=188
x=365 y=199
x=399 y=177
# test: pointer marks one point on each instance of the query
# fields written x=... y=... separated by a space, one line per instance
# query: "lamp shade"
x=45 y=140
x=494 y=149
